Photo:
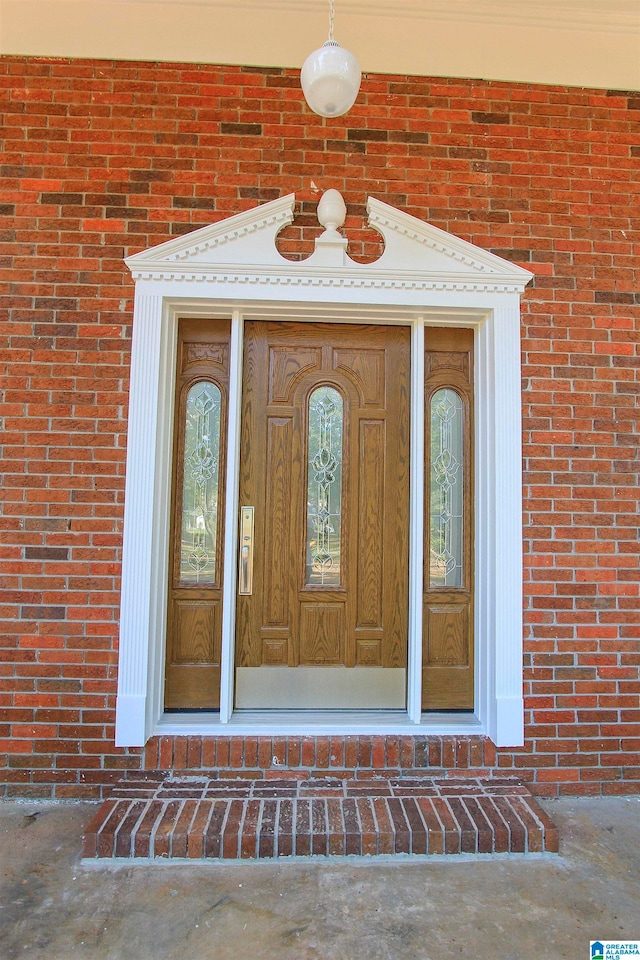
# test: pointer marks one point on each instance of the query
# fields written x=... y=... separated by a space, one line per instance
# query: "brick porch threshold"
x=160 y=816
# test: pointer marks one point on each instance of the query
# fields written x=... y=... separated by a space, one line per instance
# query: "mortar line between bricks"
x=358 y=818
x=241 y=820
x=398 y=819
x=121 y=820
x=322 y=804
x=117 y=815
x=194 y=814
x=510 y=823
x=105 y=820
x=294 y=825
x=523 y=824
x=262 y=801
x=276 y=815
x=374 y=810
x=134 y=828
x=205 y=826
x=495 y=808
x=175 y=824
x=527 y=831
x=462 y=812
x=238 y=842
x=443 y=829
x=422 y=821
x=223 y=825
x=154 y=827
x=196 y=803
x=534 y=812
x=477 y=816
x=342 y=823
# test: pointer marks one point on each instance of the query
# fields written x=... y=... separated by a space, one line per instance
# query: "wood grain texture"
x=322 y=633
x=448 y=643
x=363 y=618
x=371 y=519
x=277 y=519
x=195 y=631
x=447 y=634
x=366 y=368
x=286 y=366
x=194 y=638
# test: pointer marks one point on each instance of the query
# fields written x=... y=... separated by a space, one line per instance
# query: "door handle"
x=245 y=571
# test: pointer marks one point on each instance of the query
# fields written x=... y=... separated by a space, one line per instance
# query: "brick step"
x=202 y=818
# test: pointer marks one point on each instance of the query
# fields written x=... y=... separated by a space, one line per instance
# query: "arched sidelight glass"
x=324 y=487
x=200 y=484
x=446 y=489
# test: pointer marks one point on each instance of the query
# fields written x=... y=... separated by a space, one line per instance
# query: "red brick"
x=451 y=830
x=435 y=830
x=195 y=839
x=213 y=831
x=180 y=836
x=284 y=828
x=320 y=842
x=249 y=837
x=302 y=828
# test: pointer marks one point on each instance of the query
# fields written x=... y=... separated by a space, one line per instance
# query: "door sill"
x=263 y=723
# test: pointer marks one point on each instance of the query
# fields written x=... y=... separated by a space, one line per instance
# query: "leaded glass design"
x=324 y=487
x=200 y=484
x=446 y=489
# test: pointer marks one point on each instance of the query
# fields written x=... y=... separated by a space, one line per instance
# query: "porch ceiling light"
x=330 y=77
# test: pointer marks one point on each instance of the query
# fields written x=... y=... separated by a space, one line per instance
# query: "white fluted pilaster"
x=499 y=524
x=145 y=523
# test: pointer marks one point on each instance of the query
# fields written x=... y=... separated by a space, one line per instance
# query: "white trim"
x=231 y=519
x=507 y=525
x=316 y=723
x=145 y=540
x=413 y=287
x=416 y=524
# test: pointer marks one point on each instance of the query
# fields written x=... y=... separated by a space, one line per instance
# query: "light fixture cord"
x=332 y=16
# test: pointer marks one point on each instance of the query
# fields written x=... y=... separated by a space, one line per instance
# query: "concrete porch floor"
x=54 y=907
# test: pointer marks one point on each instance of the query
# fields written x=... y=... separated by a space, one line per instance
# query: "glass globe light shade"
x=330 y=79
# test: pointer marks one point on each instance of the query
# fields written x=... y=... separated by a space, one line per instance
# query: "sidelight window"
x=447 y=489
x=200 y=484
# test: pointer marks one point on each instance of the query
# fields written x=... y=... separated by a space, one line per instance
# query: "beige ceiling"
x=575 y=42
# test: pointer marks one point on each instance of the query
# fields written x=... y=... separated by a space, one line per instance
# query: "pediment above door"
x=416 y=255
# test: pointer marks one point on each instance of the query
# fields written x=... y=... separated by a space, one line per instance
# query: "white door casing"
x=424 y=277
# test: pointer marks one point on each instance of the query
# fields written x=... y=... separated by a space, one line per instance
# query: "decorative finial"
x=332 y=210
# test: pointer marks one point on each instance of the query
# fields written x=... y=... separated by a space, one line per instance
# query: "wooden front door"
x=323 y=593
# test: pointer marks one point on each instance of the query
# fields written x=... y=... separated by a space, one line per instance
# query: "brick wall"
x=99 y=160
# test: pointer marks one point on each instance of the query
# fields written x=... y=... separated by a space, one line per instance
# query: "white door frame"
x=425 y=277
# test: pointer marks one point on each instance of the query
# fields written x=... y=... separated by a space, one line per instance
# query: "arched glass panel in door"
x=324 y=487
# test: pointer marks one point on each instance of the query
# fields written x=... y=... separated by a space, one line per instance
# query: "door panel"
x=194 y=622
x=447 y=642
x=322 y=633
x=330 y=487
